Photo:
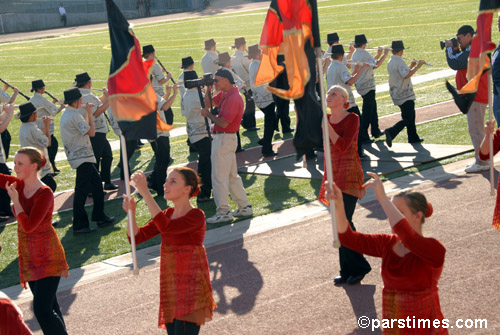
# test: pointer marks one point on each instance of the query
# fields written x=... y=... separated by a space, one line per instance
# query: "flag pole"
x=126 y=177
x=327 y=151
x=490 y=136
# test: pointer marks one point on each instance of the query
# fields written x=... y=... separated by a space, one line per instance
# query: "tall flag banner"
x=132 y=98
x=481 y=46
x=291 y=29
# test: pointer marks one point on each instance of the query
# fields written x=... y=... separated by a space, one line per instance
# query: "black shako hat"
x=223 y=58
x=190 y=75
x=147 y=49
x=238 y=42
x=224 y=73
x=209 y=44
x=82 y=78
x=359 y=40
x=332 y=38
x=71 y=95
x=37 y=84
x=338 y=49
x=26 y=110
x=187 y=62
x=397 y=46
x=253 y=51
x=465 y=29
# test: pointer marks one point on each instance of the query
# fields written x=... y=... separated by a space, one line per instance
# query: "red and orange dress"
x=346 y=165
x=41 y=253
x=185 y=288
x=496 y=148
x=410 y=282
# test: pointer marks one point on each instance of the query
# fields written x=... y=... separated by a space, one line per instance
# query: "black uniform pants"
x=87 y=181
x=103 y=156
x=161 y=148
x=248 y=120
x=5 y=208
x=46 y=307
x=204 y=149
x=352 y=263
x=369 y=116
x=282 y=113
x=52 y=150
x=180 y=327
x=131 y=146
x=269 y=125
x=408 y=121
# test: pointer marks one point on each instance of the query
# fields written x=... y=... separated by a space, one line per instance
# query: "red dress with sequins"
x=185 y=288
x=410 y=282
x=41 y=253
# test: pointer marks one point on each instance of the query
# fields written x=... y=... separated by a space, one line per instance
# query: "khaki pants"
x=475 y=122
x=225 y=178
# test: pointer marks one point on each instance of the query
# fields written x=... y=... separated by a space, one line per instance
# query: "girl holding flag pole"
x=186 y=300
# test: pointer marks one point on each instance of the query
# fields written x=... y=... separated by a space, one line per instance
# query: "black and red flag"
x=291 y=29
x=132 y=98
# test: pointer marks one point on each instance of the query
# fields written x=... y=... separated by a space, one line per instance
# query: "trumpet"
x=7 y=106
x=416 y=61
x=99 y=89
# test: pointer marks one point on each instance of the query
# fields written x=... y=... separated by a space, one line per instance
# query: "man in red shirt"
x=225 y=178
x=457 y=60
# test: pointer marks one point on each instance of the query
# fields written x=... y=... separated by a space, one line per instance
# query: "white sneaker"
x=218 y=217
x=476 y=168
x=246 y=211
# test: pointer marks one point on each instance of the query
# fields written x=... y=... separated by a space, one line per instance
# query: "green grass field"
x=57 y=59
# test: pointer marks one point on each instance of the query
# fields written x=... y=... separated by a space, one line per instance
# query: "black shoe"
x=269 y=154
x=260 y=142
x=380 y=133
x=288 y=131
x=84 y=231
x=204 y=199
x=353 y=280
x=56 y=170
x=420 y=140
x=106 y=221
x=110 y=187
x=339 y=280
x=367 y=141
x=253 y=128
x=55 y=223
x=3 y=219
x=388 y=139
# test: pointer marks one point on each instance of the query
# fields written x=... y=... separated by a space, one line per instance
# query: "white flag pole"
x=326 y=144
x=490 y=137
x=126 y=177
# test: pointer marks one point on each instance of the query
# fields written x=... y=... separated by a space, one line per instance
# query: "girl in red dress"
x=411 y=263
x=42 y=261
x=343 y=130
x=186 y=300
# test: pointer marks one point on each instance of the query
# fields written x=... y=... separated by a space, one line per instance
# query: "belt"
x=224 y=132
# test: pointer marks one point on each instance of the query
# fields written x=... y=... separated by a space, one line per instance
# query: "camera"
x=206 y=80
x=453 y=40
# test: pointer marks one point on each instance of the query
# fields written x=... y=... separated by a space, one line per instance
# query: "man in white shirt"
x=209 y=59
x=62 y=12
x=198 y=135
x=240 y=65
x=264 y=100
x=75 y=135
x=49 y=109
x=366 y=87
x=402 y=94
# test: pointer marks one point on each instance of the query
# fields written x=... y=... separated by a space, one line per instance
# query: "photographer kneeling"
x=457 y=60
x=225 y=178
